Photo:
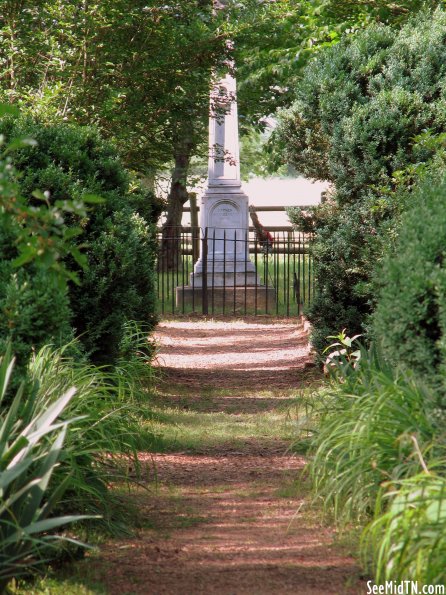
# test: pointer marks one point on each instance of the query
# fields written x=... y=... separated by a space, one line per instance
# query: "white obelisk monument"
x=224 y=205
x=224 y=270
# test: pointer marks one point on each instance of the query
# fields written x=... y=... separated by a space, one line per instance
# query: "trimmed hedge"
x=119 y=235
x=360 y=111
x=410 y=318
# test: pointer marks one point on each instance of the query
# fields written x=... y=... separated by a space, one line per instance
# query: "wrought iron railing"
x=283 y=285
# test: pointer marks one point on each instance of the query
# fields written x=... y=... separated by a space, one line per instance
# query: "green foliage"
x=119 y=284
x=139 y=70
x=410 y=317
x=353 y=13
x=34 y=310
x=154 y=103
x=377 y=457
x=345 y=256
x=274 y=41
x=74 y=164
x=365 y=436
x=35 y=244
x=343 y=352
x=31 y=446
x=38 y=232
x=409 y=540
x=94 y=69
x=364 y=117
x=108 y=430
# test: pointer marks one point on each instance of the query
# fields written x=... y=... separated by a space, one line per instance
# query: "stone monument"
x=224 y=266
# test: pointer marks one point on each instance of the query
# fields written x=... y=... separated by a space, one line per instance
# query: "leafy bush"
x=410 y=319
x=360 y=111
x=31 y=445
x=35 y=310
x=70 y=162
x=345 y=256
x=34 y=240
x=119 y=284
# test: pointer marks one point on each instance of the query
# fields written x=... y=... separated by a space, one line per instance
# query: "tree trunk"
x=170 y=257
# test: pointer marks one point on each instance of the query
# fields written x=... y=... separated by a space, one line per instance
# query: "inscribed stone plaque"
x=225 y=215
x=225 y=235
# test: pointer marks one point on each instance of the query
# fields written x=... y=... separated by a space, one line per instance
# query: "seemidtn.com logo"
x=404 y=588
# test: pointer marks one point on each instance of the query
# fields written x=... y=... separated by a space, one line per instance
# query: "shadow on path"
x=232 y=520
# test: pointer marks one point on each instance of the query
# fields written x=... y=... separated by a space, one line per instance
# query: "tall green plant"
x=410 y=319
x=359 y=112
x=364 y=436
x=39 y=255
x=31 y=447
x=110 y=428
x=408 y=541
x=116 y=270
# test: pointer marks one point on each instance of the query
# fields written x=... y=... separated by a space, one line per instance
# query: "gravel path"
x=244 y=354
x=225 y=521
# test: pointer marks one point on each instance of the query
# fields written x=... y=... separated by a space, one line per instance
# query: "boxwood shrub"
x=410 y=318
x=360 y=110
x=118 y=236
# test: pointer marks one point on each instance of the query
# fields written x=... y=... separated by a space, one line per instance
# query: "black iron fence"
x=234 y=272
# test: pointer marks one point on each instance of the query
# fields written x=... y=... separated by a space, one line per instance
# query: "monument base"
x=238 y=278
x=249 y=299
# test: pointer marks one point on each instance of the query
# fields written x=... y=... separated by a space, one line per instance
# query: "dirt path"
x=229 y=516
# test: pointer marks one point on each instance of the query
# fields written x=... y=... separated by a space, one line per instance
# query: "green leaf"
x=6 y=367
x=46 y=418
x=39 y=195
x=72 y=232
x=20 y=143
x=93 y=199
x=80 y=258
x=50 y=524
x=27 y=256
x=6 y=109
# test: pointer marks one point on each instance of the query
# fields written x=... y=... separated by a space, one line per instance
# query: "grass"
x=377 y=459
x=365 y=437
x=76 y=579
x=294 y=488
x=110 y=427
x=189 y=430
x=107 y=426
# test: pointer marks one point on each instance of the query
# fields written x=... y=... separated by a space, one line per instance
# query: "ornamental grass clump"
x=110 y=428
x=378 y=459
x=364 y=437
x=408 y=541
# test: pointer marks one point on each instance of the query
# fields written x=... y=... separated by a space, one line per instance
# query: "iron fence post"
x=204 y=288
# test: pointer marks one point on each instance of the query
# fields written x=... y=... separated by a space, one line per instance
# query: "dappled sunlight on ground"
x=229 y=512
x=243 y=354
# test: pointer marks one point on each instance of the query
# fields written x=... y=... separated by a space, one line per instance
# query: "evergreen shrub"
x=34 y=305
x=410 y=318
x=118 y=236
x=360 y=111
